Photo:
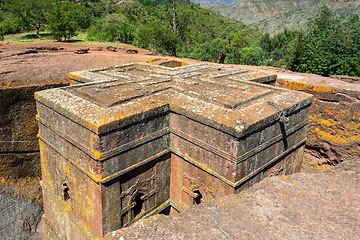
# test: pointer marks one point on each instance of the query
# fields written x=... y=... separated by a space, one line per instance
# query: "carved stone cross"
x=219 y=125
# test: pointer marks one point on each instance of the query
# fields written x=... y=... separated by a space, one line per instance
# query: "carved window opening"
x=137 y=200
x=197 y=196
x=139 y=205
x=198 y=192
x=66 y=195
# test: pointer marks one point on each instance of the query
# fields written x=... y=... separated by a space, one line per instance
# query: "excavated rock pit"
x=333 y=137
x=300 y=206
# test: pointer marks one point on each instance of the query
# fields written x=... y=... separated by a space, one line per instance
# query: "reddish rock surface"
x=299 y=206
x=147 y=137
x=20 y=76
x=334 y=124
x=50 y=64
x=320 y=213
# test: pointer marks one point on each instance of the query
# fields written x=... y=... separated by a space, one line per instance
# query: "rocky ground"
x=20 y=66
x=36 y=64
x=302 y=206
x=20 y=220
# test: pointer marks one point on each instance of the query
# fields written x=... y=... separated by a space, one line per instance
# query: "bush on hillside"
x=66 y=19
x=330 y=44
x=113 y=28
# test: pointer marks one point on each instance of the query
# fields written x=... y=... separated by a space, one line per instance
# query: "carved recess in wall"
x=198 y=190
x=137 y=200
x=63 y=188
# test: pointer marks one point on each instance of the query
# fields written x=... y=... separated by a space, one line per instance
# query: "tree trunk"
x=173 y=52
x=222 y=59
x=174 y=18
x=38 y=32
x=174 y=29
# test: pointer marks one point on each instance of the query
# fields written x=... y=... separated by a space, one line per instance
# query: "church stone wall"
x=137 y=140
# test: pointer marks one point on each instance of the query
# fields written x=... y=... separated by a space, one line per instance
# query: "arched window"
x=138 y=205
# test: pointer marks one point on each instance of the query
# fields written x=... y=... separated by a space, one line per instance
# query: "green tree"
x=294 y=59
x=97 y=8
x=126 y=32
x=60 y=23
x=2 y=28
x=236 y=44
x=157 y=36
x=66 y=19
x=216 y=51
x=2 y=32
x=114 y=27
x=195 y=28
x=32 y=13
x=202 y=52
x=265 y=43
x=283 y=49
x=356 y=67
x=252 y=55
x=10 y=24
x=330 y=44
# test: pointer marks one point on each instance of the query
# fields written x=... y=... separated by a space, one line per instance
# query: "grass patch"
x=30 y=37
x=33 y=37
x=44 y=37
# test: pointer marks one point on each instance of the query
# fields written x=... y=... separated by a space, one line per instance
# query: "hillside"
x=272 y=16
x=186 y=30
x=200 y=33
x=207 y=2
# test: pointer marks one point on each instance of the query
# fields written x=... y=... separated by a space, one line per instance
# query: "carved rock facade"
x=139 y=139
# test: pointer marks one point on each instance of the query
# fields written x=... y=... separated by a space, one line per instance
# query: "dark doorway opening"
x=198 y=196
x=139 y=204
x=66 y=194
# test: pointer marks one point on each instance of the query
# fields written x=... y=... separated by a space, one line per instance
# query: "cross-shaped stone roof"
x=137 y=139
x=227 y=98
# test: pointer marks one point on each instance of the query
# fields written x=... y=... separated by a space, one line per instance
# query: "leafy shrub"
x=66 y=19
x=157 y=36
x=215 y=51
x=330 y=44
x=9 y=23
x=252 y=55
x=32 y=13
x=102 y=31
x=356 y=67
x=281 y=49
x=113 y=28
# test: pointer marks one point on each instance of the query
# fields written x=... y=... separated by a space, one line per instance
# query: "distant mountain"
x=208 y=2
x=272 y=16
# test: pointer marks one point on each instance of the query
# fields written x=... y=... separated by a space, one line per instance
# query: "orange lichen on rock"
x=334 y=122
x=25 y=189
x=140 y=139
x=19 y=149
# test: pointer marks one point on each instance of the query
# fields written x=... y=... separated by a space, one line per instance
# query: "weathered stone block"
x=138 y=139
x=19 y=148
x=333 y=132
